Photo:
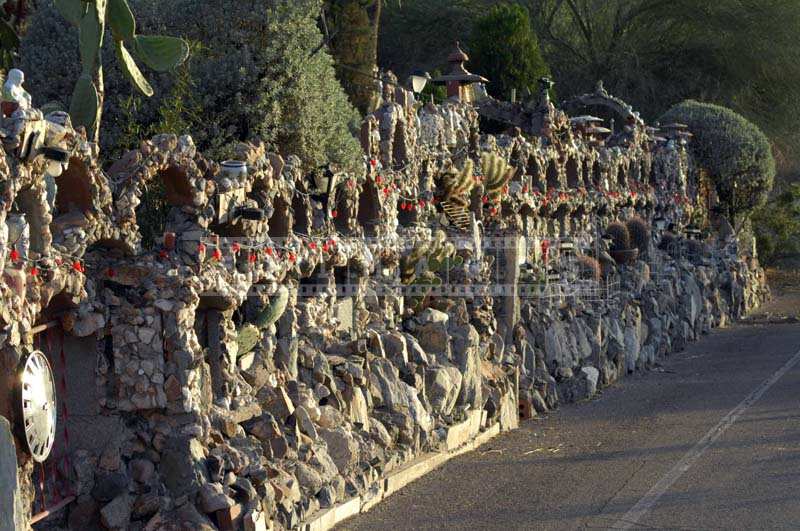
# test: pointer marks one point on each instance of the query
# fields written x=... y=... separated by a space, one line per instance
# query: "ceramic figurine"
x=14 y=95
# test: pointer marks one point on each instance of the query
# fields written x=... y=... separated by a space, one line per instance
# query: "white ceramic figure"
x=13 y=90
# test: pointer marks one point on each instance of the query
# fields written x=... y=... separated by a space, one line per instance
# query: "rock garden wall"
x=299 y=335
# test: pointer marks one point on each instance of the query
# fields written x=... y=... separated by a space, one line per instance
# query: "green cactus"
x=249 y=334
x=419 y=269
x=247 y=338
x=274 y=311
x=459 y=184
x=497 y=174
x=158 y=52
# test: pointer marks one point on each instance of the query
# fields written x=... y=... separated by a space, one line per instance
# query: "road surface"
x=710 y=440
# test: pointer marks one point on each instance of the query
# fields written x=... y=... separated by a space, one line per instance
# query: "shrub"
x=776 y=226
x=733 y=151
x=621 y=238
x=588 y=268
x=255 y=74
x=639 y=231
x=505 y=49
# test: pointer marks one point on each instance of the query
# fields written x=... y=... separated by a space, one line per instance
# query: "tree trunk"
x=354 y=46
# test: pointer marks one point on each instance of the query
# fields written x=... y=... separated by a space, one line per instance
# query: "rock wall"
x=299 y=334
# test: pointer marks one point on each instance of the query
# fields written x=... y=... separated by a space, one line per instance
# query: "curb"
x=461 y=438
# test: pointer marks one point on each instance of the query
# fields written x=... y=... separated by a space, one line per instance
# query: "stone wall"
x=388 y=316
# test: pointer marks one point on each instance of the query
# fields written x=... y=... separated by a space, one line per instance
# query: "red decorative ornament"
x=312 y=246
x=422 y=203
x=14 y=255
x=351 y=184
x=59 y=261
x=252 y=257
x=34 y=271
x=201 y=248
x=291 y=257
x=235 y=248
x=163 y=254
x=373 y=162
x=325 y=247
x=524 y=189
x=386 y=192
x=411 y=206
x=111 y=273
x=331 y=242
x=268 y=250
x=485 y=199
x=334 y=214
x=545 y=248
x=77 y=266
x=493 y=211
x=403 y=206
x=217 y=254
x=378 y=179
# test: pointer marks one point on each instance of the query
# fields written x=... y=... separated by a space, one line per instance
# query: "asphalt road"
x=710 y=440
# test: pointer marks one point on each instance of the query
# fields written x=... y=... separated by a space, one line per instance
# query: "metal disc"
x=38 y=405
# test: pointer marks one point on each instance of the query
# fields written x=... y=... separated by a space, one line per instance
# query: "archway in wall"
x=369 y=209
x=553 y=180
x=622 y=176
x=279 y=224
x=573 y=174
x=597 y=176
x=300 y=214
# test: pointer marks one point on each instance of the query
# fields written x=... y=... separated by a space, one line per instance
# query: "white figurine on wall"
x=14 y=95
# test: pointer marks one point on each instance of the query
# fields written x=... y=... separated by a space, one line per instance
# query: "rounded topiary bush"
x=734 y=152
x=639 y=231
x=620 y=237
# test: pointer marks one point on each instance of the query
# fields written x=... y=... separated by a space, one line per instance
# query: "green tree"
x=734 y=152
x=419 y=34
x=743 y=54
x=505 y=49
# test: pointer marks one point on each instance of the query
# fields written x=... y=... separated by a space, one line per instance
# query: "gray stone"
x=342 y=448
x=310 y=480
x=117 y=514
x=467 y=358
x=12 y=510
x=182 y=465
x=213 y=498
x=442 y=387
x=109 y=485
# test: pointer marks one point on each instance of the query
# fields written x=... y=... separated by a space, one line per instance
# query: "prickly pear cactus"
x=247 y=338
x=158 y=52
x=249 y=334
x=273 y=312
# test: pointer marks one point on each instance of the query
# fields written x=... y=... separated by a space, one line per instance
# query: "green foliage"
x=353 y=30
x=733 y=151
x=420 y=268
x=505 y=49
x=160 y=53
x=255 y=78
x=249 y=334
x=743 y=54
x=639 y=231
x=777 y=226
x=412 y=36
x=621 y=238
